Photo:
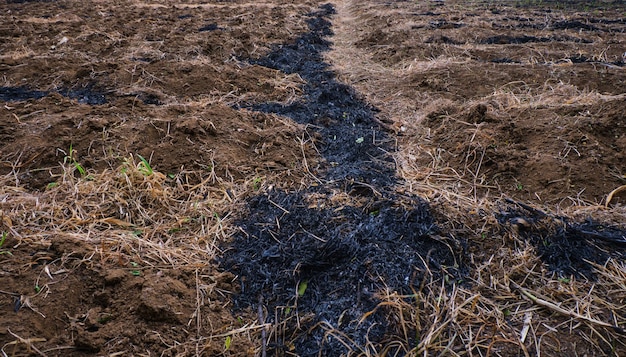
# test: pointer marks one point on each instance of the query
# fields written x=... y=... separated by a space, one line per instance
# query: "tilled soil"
x=513 y=98
x=319 y=139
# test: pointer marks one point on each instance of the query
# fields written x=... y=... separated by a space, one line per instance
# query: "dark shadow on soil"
x=573 y=25
x=317 y=258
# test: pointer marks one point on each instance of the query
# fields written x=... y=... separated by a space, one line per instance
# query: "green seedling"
x=52 y=185
x=228 y=342
x=519 y=186
x=256 y=183
x=71 y=159
x=144 y=166
x=2 y=239
x=302 y=287
x=135 y=272
x=360 y=140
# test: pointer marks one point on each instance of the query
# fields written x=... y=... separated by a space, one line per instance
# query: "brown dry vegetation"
x=121 y=259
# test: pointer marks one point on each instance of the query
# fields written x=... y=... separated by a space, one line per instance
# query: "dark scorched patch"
x=568 y=248
x=343 y=252
x=16 y=94
x=351 y=142
x=318 y=258
x=84 y=95
x=344 y=255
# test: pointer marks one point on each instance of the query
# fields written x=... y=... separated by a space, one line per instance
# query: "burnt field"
x=349 y=178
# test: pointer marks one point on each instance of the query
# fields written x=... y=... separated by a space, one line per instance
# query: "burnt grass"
x=311 y=265
x=344 y=254
x=84 y=95
x=568 y=248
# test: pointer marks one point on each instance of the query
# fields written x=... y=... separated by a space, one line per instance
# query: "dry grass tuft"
x=132 y=214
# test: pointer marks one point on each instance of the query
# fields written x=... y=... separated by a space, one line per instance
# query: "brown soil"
x=167 y=84
x=163 y=78
x=486 y=100
x=521 y=100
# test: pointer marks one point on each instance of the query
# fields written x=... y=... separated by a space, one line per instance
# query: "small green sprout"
x=360 y=140
x=135 y=272
x=256 y=183
x=71 y=159
x=144 y=166
x=302 y=287
x=2 y=239
x=228 y=342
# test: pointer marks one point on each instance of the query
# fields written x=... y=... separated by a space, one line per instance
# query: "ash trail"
x=84 y=95
x=351 y=142
x=343 y=253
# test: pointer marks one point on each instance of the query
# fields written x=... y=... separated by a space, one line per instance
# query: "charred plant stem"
x=263 y=331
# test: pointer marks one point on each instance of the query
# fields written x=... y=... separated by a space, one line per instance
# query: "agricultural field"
x=312 y=178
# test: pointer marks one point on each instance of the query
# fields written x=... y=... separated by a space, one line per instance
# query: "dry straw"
x=510 y=303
